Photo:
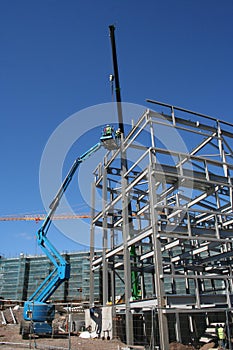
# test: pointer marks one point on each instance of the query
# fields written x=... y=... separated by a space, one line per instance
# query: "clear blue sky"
x=56 y=59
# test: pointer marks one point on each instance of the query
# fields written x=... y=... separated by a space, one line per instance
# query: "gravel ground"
x=10 y=334
x=10 y=339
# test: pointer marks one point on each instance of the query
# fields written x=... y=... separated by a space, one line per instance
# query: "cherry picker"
x=37 y=310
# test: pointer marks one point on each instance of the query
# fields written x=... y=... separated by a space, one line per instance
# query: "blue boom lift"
x=37 y=310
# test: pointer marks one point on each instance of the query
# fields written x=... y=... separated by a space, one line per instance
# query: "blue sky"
x=56 y=59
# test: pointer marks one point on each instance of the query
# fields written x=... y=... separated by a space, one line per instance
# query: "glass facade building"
x=20 y=277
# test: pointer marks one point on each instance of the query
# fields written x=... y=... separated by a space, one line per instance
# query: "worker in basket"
x=108 y=130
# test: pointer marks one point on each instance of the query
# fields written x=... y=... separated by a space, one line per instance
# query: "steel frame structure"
x=181 y=225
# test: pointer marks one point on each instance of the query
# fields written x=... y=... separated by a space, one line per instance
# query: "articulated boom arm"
x=61 y=269
x=53 y=206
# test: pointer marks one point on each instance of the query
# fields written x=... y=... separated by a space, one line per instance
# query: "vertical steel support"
x=230 y=281
x=197 y=291
x=105 y=240
x=229 y=335
x=159 y=284
x=152 y=136
x=222 y=151
x=142 y=279
x=173 y=116
x=92 y=244
x=177 y=328
x=127 y=267
x=113 y=293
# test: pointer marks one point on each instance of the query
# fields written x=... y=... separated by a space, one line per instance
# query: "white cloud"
x=25 y=235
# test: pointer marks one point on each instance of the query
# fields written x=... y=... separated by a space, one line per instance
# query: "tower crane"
x=41 y=217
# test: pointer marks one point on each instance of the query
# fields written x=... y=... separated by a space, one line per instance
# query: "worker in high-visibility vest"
x=108 y=130
x=221 y=337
